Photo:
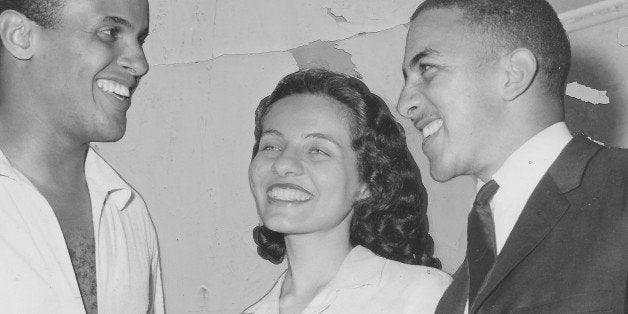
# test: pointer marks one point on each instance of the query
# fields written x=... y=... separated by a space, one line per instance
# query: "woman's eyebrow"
x=272 y=132
x=324 y=137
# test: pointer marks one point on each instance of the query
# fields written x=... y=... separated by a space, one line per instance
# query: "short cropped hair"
x=391 y=221
x=511 y=24
x=43 y=12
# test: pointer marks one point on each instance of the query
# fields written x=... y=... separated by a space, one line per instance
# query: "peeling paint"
x=369 y=13
x=183 y=62
x=324 y=54
x=622 y=36
x=587 y=94
x=216 y=28
x=596 y=141
x=337 y=18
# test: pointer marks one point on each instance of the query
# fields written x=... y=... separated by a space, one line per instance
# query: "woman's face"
x=304 y=177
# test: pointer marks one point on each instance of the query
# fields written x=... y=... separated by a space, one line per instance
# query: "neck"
x=44 y=153
x=518 y=127
x=47 y=159
x=314 y=260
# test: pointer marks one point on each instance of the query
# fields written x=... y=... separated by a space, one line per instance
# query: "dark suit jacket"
x=568 y=251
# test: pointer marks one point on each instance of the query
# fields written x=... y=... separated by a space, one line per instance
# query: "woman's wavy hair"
x=392 y=220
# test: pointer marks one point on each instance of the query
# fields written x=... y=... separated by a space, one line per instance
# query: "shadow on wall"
x=604 y=123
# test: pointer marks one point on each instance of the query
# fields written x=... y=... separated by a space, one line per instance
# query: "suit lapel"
x=544 y=208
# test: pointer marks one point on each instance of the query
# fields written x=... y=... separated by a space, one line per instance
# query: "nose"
x=133 y=60
x=287 y=164
x=409 y=102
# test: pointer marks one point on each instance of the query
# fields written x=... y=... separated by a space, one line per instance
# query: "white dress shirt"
x=519 y=176
x=367 y=283
x=36 y=274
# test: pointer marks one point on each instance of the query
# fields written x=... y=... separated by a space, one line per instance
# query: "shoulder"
x=414 y=286
x=416 y=276
x=612 y=158
x=595 y=153
x=600 y=182
x=608 y=168
x=590 y=165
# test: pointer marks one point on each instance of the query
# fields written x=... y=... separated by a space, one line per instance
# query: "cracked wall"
x=190 y=129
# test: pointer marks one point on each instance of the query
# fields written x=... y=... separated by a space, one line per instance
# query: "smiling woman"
x=341 y=198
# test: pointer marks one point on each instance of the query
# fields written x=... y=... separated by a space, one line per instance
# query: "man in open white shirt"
x=484 y=83
x=74 y=236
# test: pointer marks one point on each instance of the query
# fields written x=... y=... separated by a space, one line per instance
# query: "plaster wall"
x=190 y=130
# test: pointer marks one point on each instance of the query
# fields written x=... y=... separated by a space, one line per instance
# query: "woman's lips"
x=288 y=193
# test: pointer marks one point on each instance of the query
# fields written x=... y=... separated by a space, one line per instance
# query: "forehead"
x=306 y=113
x=133 y=11
x=443 y=31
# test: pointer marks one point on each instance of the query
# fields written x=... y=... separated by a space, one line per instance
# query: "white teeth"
x=113 y=87
x=432 y=128
x=291 y=195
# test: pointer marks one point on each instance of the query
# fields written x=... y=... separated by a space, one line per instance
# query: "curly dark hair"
x=531 y=24
x=392 y=220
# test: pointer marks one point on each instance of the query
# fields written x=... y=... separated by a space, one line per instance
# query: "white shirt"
x=367 y=283
x=36 y=273
x=519 y=176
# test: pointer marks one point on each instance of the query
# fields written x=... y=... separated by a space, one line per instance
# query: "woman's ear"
x=520 y=68
x=364 y=192
x=16 y=33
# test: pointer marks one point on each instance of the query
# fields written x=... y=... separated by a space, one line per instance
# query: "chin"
x=439 y=174
x=282 y=224
x=112 y=132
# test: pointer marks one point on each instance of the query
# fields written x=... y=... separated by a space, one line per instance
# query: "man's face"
x=449 y=93
x=88 y=66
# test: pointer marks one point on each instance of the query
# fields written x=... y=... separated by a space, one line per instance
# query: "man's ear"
x=16 y=32
x=520 y=68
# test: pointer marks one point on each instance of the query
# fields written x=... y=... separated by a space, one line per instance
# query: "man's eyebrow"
x=117 y=20
x=324 y=137
x=425 y=53
x=124 y=22
x=417 y=58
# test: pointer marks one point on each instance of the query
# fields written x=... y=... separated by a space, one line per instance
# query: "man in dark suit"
x=485 y=83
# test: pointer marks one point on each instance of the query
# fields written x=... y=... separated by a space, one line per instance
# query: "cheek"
x=348 y=181
x=257 y=171
x=93 y=57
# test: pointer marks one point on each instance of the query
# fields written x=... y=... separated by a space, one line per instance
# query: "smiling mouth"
x=114 y=88
x=431 y=128
x=288 y=193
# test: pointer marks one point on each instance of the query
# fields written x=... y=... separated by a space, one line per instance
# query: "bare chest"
x=74 y=215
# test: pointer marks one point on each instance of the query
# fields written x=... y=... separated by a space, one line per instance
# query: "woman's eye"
x=269 y=147
x=318 y=151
